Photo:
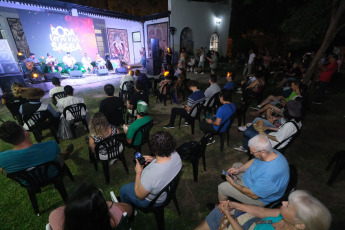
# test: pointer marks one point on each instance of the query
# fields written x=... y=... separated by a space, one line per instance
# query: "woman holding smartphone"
x=149 y=181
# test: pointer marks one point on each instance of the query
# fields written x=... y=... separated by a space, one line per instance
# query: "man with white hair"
x=259 y=181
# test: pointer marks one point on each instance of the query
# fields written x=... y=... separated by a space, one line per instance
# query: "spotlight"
x=21 y=56
x=218 y=20
x=129 y=67
x=34 y=75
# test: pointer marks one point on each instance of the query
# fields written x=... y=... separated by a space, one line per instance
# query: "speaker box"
x=153 y=66
x=102 y=72
x=49 y=76
x=75 y=73
x=7 y=81
x=121 y=70
x=155 y=48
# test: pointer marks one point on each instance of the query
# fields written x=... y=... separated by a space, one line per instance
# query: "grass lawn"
x=322 y=135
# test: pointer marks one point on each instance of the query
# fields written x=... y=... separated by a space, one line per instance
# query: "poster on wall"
x=158 y=31
x=18 y=35
x=118 y=43
x=57 y=34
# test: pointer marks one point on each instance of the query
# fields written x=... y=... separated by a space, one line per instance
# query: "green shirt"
x=134 y=127
x=292 y=96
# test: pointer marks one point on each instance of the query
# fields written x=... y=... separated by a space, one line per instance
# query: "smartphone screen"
x=138 y=155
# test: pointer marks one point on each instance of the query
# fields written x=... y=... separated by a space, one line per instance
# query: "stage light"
x=20 y=54
x=166 y=73
x=82 y=68
x=35 y=75
x=129 y=67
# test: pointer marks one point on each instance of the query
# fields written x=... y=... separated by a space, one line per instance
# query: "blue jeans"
x=251 y=132
x=128 y=196
x=75 y=67
x=214 y=219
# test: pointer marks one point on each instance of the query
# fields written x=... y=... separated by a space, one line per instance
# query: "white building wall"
x=200 y=18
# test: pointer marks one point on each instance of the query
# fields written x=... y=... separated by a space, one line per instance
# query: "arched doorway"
x=214 y=42
x=186 y=40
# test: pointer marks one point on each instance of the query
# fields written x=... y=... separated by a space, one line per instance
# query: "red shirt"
x=326 y=75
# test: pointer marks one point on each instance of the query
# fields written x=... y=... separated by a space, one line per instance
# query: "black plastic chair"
x=75 y=111
x=191 y=119
x=39 y=121
x=129 y=90
x=112 y=147
x=195 y=154
x=13 y=107
x=227 y=132
x=339 y=160
x=289 y=189
x=130 y=115
x=212 y=104
x=170 y=190
x=34 y=178
x=145 y=136
x=57 y=96
x=124 y=223
x=167 y=94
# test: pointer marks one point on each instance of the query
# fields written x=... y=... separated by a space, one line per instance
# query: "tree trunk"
x=338 y=11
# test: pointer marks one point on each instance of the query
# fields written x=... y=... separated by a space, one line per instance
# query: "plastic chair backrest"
x=111 y=145
x=75 y=110
x=213 y=101
x=169 y=189
x=59 y=95
x=145 y=132
x=124 y=223
x=38 y=120
x=37 y=176
x=14 y=106
x=197 y=108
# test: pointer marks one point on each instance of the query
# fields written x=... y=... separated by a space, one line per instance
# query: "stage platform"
x=87 y=79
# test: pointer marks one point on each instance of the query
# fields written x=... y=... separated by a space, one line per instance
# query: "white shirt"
x=70 y=61
x=50 y=59
x=86 y=60
x=70 y=100
x=202 y=56
x=284 y=131
x=56 y=89
x=124 y=79
x=251 y=58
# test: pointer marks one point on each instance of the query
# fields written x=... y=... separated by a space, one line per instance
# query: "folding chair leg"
x=73 y=130
x=195 y=164
x=33 y=200
x=192 y=126
x=159 y=215
x=68 y=172
x=222 y=137
x=62 y=190
x=204 y=161
x=123 y=160
x=106 y=171
x=176 y=204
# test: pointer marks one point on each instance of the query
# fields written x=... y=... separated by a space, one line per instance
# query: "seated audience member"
x=111 y=106
x=255 y=88
x=191 y=64
x=57 y=89
x=325 y=77
x=294 y=74
x=197 y=96
x=87 y=63
x=69 y=62
x=139 y=94
x=53 y=63
x=276 y=132
x=13 y=95
x=35 y=105
x=212 y=89
x=301 y=211
x=229 y=81
x=124 y=79
x=99 y=130
x=100 y=62
x=211 y=125
x=149 y=181
x=70 y=100
x=277 y=103
x=142 y=77
x=142 y=119
x=87 y=209
x=259 y=181
x=162 y=90
x=25 y=154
